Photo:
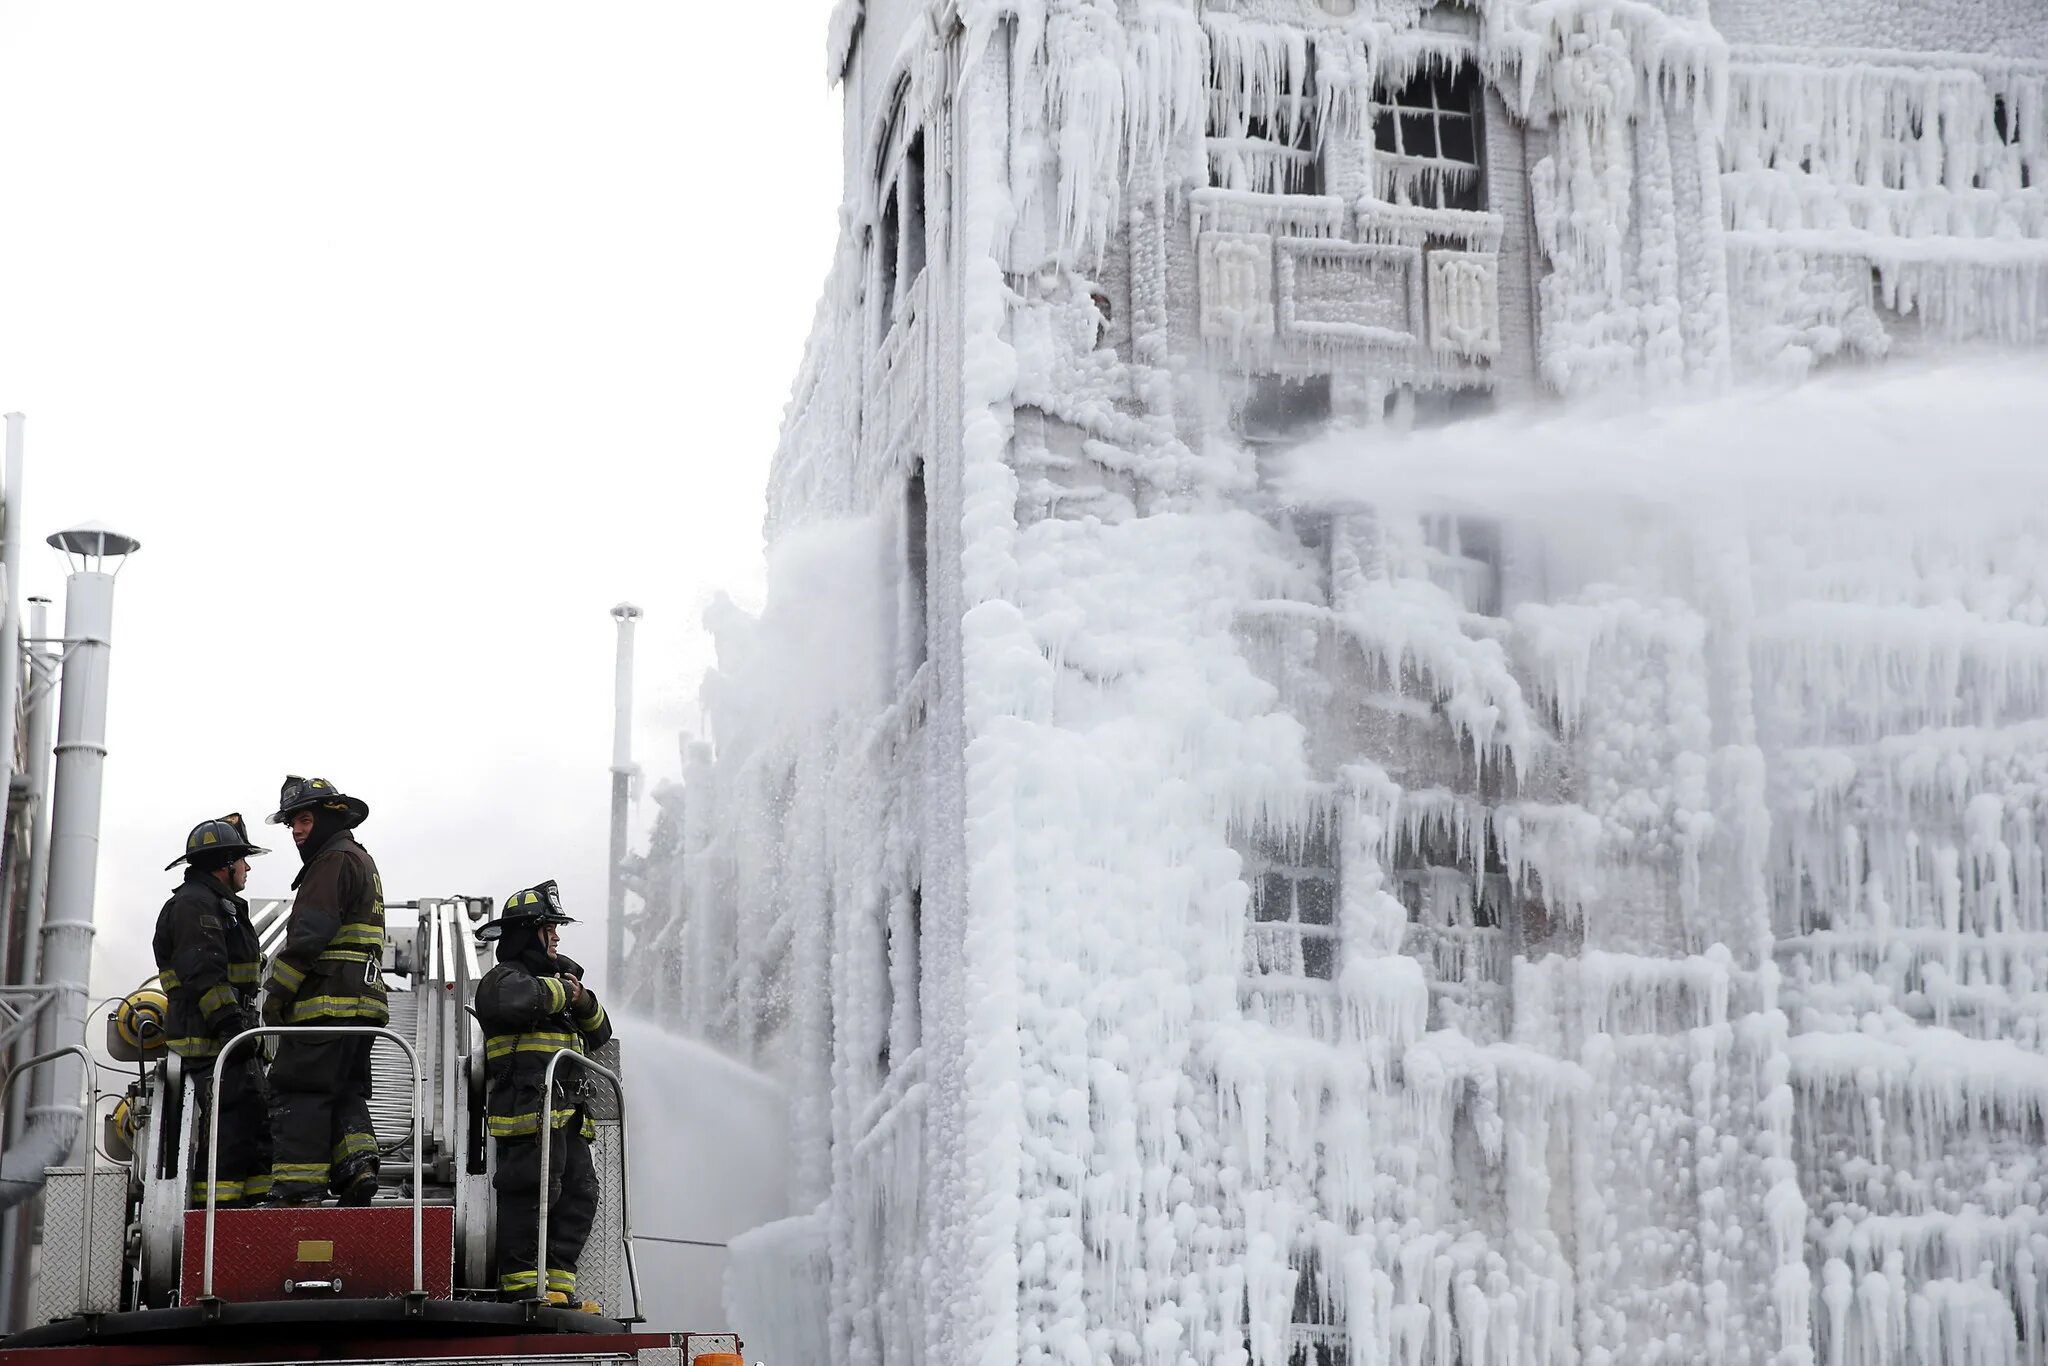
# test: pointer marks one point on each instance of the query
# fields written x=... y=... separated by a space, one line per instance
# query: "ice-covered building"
x=1205 y=919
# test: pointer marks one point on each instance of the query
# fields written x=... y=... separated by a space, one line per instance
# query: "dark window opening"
x=885 y=261
x=1441 y=407
x=913 y=976
x=2007 y=128
x=1293 y=878
x=1266 y=151
x=913 y=211
x=1281 y=408
x=1465 y=560
x=1429 y=137
x=887 y=1015
x=916 y=630
x=1318 y=1336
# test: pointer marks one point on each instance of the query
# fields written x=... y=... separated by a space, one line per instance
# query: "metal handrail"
x=419 y=1283
x=88 y=1102
x=547 y=1133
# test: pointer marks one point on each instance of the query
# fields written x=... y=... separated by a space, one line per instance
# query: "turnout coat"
x=329 y=968
x=208 y=960
x=527 y=1019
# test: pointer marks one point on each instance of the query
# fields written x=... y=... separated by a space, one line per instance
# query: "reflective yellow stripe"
x=564 y=1281
x=289 y=1173
x=169 y=979
x=346 y=956
x=540 y=1041
x=558 y=994
x=354 y=1145
x=245 y=974
x=360 y=934
x=217 y=997
x=515 y=1126
x=338 y=1008
x=519 y=1280
x=590 y=1023
x=195 y=1047
x=257 y=1185
x=287 y=976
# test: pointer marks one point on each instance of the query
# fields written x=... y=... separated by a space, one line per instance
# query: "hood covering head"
x=522 y=944
x=329 y=819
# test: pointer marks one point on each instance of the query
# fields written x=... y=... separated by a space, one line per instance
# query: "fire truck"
x=129 y=1276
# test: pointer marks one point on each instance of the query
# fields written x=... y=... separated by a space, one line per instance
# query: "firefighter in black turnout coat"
x=532 y=1005
x=329 y=971
x=208 y=960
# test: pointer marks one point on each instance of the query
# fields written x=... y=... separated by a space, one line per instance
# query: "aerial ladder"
x=129 y=1275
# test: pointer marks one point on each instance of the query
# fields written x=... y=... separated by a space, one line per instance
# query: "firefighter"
x=532 y=1005
x=328 y=971
x=208 y=960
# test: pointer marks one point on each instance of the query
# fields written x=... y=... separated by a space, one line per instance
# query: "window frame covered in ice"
x=1436 y=98
x=900 y=211
x=1316 y=1331
x=1303 y=856
x=1464 y=556
x=1271 y=144
x=1280 y=409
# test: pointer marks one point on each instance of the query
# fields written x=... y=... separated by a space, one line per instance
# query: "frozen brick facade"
x=1199 y=923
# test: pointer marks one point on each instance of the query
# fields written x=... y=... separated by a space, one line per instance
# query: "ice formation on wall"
x=1484 y=900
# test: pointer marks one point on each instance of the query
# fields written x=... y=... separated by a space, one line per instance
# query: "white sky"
x=408 y=337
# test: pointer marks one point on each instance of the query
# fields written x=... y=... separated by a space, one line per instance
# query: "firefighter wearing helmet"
x=208 y=960
x=328 y=971
x=532 y=1005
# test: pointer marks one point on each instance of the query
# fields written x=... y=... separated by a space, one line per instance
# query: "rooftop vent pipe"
x=54 y=1118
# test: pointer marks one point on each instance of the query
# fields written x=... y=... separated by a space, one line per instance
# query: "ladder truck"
x=129 y=1276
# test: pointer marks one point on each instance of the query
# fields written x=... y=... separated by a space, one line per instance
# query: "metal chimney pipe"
x=54 y=1117
x=623 y=773
x=10 y=641
x=41 y=714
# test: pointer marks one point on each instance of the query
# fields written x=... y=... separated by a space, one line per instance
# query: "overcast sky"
x=408 y=337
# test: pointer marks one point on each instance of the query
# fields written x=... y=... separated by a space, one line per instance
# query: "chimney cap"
x=94 y=540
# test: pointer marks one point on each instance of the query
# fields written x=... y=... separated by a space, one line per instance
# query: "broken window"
x=1293 y=877
x=900 y=212
x=1264 y=132
x=2005 y=126
x=885 y=266
x=1464 y=560
x=914 y=628
x=1317 y=1336
x=1427 y=136
x=913 y=971
x=1282 y=408
x=912 y=212
x=886 y=974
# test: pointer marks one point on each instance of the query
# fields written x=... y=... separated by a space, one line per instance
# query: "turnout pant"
x=572 y=1208
x=320 y=1118
x=244 y=1130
